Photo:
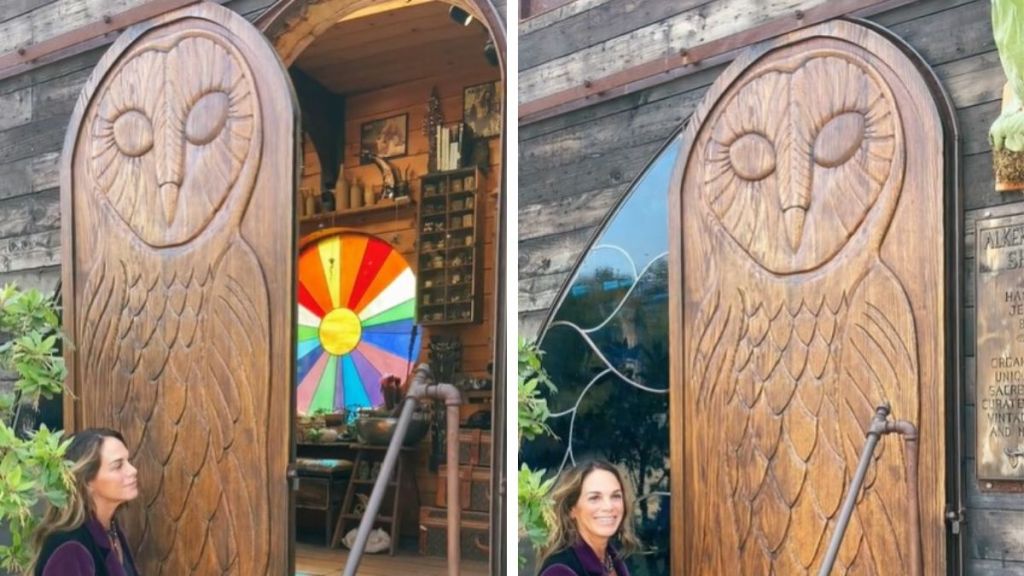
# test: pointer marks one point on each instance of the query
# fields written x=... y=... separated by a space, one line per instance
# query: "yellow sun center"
x=340 y=331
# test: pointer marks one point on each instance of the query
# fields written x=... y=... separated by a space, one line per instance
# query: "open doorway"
x=398 y=219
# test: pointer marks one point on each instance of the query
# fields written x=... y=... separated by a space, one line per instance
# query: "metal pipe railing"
x=880 y=425
x=422 y=386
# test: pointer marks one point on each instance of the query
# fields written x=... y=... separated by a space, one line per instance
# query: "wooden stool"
x=368 y=462
x=320 y=487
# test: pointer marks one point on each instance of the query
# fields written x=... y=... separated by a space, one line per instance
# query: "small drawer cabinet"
x=450 y=268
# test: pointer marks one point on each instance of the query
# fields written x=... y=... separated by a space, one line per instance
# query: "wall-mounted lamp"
x=460 y=16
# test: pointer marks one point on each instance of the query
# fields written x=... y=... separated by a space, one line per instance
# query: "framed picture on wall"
x=387 y=137
x=481 y=109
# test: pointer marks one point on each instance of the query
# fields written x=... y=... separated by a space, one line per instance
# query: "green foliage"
x=30 y=328
x=33 y=469
x=533 y=505
x=533 y=408
x=534 y=501
x=1008 y=32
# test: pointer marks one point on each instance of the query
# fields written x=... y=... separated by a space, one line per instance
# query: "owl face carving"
x=169 y=139
x=797 y=157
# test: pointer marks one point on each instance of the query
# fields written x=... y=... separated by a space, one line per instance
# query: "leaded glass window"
x=606 y=348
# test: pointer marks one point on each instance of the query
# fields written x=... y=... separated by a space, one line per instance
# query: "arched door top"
x=809 y=203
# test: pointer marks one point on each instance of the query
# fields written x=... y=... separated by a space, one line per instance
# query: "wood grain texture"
x=387 y=39
x=179 y=155
x=601 y=22
x=293 y=25
x=14 y=8
x=697 y=25
x=997 y=534
x=54 y=18
x=807 y=299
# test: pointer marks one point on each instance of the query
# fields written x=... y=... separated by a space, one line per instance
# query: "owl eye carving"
x=752 y=157
x=207 y=118
x=133 y=133
x=839 y=139
x=791 y=172
x=181 y=147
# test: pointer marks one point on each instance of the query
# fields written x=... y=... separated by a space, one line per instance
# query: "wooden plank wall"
x=590 y=39
x=575 y=167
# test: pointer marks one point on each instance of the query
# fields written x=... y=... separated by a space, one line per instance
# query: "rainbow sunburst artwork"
x=357 y=310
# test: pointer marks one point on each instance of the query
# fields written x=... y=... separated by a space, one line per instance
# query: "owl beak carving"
x=169 y=192
x=796 y=199
x=794 y=218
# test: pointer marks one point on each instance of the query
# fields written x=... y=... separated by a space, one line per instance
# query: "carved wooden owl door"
x=177 y=188
x=808 y=242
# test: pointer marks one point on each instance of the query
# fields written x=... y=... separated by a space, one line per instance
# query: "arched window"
x=606 y=348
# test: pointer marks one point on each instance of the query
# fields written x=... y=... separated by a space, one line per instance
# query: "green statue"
x=1007 y=132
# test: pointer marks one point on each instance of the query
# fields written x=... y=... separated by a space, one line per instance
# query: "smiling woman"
x=83 y=537
x=592 y=528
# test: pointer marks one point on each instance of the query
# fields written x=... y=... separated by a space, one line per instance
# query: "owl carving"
x=797 y=328
x=173 y=320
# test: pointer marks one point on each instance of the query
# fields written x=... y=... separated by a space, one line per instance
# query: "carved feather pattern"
x=238 y=370
x=803 y=381
x=780 y=430
x=879 y=364
x=175 y=315
x=157 y=154
x=189 y=343
x=773 y=176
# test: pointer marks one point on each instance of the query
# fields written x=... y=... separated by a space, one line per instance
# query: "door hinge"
x=293 y=475
x=956 y=519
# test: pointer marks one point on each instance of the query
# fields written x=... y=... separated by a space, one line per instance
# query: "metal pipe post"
x=380 y=487
x=910 y=437
x=422 y=386
x=874 y=433
x=454 y=494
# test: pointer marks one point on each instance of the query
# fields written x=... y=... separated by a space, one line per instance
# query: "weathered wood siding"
x=575 y=167
x=588 y=39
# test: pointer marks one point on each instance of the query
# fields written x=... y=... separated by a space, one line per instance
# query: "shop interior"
x=397 y=208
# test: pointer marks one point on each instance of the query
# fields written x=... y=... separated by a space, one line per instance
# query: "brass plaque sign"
x=1000 y=348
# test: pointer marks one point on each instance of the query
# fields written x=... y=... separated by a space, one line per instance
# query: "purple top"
x=77 y=556
x=589 y=561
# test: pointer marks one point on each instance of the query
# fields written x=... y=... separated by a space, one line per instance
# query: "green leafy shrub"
x=32 y=466
x=534 y=489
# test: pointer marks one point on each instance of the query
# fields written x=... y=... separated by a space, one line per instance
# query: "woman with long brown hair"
x=592 y=527
x=82 y=538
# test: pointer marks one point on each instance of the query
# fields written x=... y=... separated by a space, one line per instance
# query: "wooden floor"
x=313 y=560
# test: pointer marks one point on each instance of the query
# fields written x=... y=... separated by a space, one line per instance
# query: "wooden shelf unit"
x=450 y=268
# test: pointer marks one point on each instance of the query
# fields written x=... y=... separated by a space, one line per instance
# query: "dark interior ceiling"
x=374 y=49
